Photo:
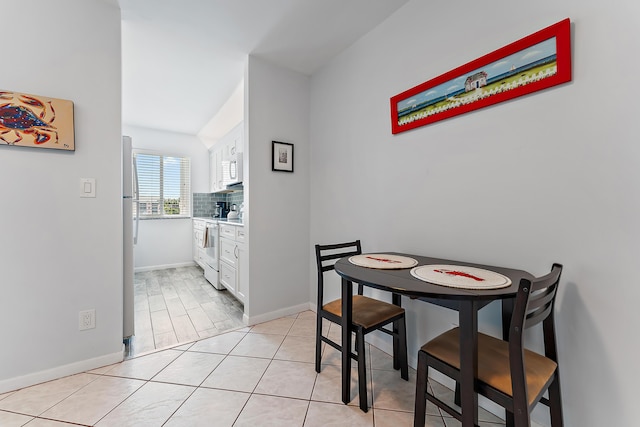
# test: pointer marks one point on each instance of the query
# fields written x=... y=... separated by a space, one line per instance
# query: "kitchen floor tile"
x=185 y=331
x=152 y=405
x=237 y=373
x=385 y=418
x=175 y=291
x=298 y=349
x=199 y=318
x=165 y=339
x=322 y=414
x=144 y=367
x=41 y=422
x=238 y=378
x=278 y=326
x=270 y=411
x=93 y=401
x=37 y=399
x=9 y=419
x=189 y=368
x=222 y=344
x=277 y=380
x=209 y=408
x=328 y=386
x=392 y=392
x=258 y=345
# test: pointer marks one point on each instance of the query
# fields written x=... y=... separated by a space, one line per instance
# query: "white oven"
x=210 y=255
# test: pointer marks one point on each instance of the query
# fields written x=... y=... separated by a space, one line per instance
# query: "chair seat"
x=493 y=362
x=367 y=312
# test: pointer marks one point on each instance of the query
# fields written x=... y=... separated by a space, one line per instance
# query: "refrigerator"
x=130 y=233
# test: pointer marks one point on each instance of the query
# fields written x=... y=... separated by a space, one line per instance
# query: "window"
x=164 y=185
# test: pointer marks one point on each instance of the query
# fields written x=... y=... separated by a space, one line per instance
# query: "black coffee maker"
x=220 y=210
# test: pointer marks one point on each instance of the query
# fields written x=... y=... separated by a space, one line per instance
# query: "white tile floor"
x=259 y=376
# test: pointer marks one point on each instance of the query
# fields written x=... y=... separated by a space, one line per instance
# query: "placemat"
x=459 y=276
x=383 y=261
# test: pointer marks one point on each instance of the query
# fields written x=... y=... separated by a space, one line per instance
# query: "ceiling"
x=183 y=59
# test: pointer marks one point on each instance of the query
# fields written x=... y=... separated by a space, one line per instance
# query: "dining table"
x=466 y=301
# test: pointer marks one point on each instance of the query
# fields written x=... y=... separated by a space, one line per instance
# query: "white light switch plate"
x=87 y=187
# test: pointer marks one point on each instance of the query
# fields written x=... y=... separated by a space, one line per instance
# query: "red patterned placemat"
x=383 y=261
x=459 y=276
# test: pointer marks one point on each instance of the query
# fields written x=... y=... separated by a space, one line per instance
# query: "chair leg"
x=420 y=406
x=396 y=345
x=362 y=370
x=555 y=402
x=509 y=419
x=318 y=341
x=402 y=350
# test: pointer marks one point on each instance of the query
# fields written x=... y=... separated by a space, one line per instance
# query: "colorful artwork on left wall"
x=36 y=121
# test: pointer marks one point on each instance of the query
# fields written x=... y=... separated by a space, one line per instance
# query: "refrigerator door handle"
x=135 y=233
x=136 y=199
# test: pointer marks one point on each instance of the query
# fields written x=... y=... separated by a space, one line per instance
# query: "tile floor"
x=254 y=376
x=178 y=305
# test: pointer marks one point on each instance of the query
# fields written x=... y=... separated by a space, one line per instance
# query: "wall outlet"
x=87 y=319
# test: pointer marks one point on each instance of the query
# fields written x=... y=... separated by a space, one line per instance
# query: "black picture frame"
x=281 y=156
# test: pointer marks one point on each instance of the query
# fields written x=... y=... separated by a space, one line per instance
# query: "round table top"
x=401 y=281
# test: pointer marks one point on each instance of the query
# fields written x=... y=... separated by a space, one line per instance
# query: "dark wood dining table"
x=466 y=301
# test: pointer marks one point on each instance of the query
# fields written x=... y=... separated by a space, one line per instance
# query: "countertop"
x=220 y=220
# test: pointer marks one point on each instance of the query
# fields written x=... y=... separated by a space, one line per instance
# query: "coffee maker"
x=220 y=210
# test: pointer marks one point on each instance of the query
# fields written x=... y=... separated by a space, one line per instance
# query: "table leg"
x=468 y=361
x=395 y=299
x=347 y=304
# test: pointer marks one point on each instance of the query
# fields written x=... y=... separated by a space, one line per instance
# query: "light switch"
x=87 y=187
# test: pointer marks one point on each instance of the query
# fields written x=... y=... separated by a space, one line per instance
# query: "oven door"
x=211 y=249
x=211 y=266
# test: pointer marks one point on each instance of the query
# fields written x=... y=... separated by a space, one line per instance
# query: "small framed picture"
x=281 y=156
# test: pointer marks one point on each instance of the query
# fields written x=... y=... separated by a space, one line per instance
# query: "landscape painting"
x=538 y=61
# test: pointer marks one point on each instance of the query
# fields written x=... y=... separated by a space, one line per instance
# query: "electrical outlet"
x=87 y=319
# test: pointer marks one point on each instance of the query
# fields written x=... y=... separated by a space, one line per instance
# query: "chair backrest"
x=534 y=304
x=326 y=256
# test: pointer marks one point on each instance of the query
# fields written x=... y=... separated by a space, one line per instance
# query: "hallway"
x=177 y=305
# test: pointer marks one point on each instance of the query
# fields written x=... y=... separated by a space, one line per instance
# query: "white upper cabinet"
x=225 y=159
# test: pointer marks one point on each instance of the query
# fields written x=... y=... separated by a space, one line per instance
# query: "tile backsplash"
x=204 y=203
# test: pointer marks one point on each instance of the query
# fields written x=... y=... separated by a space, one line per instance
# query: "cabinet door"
x=214 y=166
x=242 y=271
x=228 y=251
x=228 y=277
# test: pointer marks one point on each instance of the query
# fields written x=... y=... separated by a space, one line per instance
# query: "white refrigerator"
x=130 y=233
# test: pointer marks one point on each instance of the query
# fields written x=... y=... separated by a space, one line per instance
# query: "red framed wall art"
x=533 y=63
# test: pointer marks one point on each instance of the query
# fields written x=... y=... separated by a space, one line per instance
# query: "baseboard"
x=60 y=371
x=261 y=318
x=164 y=266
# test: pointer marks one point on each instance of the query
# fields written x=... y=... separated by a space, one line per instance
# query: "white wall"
x=59 y=253
x=550 y=177
x=164 y=243
x=277 y=103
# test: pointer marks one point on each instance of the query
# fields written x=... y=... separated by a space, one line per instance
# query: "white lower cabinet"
x=199 y=228
x=233 y=260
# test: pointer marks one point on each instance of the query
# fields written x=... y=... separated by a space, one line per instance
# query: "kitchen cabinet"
x=199 y=228
x=233 y=259
x=215 y=169
x=225 y=160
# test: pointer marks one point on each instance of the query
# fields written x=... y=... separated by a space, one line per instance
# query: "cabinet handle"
x=235 y=252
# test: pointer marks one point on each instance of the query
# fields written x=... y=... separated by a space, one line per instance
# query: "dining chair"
x=368 y=315
x=508 y=374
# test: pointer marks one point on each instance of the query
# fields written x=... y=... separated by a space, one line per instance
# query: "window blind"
x=164 y=185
